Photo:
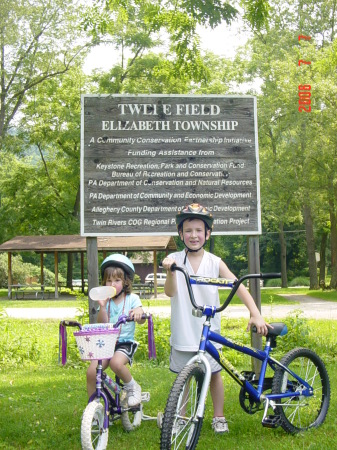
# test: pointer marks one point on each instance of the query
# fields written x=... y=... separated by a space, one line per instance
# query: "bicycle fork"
x=99 y=393
x=201 y=358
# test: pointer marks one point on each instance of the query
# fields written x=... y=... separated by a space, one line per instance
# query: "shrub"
x=162 y=340
x=299 y=281
x=21 y=271
x=273 y=283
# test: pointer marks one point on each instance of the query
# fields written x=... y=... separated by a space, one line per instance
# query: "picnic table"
x=144 y=290
x=22 y=291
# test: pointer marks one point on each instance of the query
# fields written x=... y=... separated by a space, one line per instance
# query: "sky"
x=224 y=41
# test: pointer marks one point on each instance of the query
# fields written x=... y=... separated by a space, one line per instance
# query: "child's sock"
x=129 y=384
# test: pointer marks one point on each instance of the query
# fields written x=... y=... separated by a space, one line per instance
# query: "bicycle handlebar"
x=234 y=284
x=124 y=318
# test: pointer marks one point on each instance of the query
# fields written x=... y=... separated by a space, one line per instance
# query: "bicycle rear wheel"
x=93 y=435
x=181 y=428
x=300 y=413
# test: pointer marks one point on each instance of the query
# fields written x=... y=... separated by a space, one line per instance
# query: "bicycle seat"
x=279 y=329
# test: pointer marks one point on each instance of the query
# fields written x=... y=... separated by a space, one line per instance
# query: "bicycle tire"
x=93 y=435
x=130 y=420
x=185 y=393
x=301 y=413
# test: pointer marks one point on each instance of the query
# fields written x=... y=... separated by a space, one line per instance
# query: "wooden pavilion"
x=78 y=244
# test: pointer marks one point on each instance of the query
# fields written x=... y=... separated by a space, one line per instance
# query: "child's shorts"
x=179 y=359
x=128 y=349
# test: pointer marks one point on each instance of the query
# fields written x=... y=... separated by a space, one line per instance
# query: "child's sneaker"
x=219 y=425
x=134 y=394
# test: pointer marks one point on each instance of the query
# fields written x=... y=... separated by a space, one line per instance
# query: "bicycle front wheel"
x=93 y=434
x=130 y=419
x=181 y=428
x=301 y=412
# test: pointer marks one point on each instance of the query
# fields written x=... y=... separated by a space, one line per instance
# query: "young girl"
x=118 y=271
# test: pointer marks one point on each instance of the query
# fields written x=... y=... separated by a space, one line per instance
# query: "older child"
x=195 y=223
x=118 y=271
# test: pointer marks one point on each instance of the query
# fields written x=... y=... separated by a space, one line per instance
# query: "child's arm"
x=102 y=316
x=244 y=295
x=171 y=279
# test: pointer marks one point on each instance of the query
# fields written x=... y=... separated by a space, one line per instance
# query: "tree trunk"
x=283 y=245
x=333 y=220
x=309 y=236
x=322 y=252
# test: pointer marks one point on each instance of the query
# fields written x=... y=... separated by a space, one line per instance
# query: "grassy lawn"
x=42 y=402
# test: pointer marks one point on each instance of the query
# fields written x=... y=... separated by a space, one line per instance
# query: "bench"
x=144 y=290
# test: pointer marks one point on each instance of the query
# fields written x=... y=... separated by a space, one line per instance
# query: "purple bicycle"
x=109 y=403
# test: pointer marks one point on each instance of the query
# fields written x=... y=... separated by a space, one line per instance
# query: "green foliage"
x=299 y=281
x=137 y=279
x=27 y=343
x=22 y=271
x=256 y=12
x=42 y=41
x=162 y=340
x=298 y=333
x=273 y=283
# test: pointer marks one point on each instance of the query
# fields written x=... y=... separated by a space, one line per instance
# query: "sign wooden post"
x=255 y=290
x=93 y=279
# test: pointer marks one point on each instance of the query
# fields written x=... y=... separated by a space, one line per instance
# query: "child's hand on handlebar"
x=136 y=314
x=167 y=263
x=261 y=325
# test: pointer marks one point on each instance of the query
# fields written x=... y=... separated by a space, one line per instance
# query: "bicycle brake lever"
x=121 y=319
x=197 y=312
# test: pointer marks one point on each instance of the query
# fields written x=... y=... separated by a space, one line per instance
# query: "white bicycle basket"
x=96 y=341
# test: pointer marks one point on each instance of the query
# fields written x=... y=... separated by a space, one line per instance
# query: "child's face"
x=116 y=282
x=193 y=233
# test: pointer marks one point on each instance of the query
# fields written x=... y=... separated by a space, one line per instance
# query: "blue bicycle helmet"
x=118 y=260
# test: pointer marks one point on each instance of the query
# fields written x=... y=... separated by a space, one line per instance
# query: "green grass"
x=39 y=303
x=42 y=402
x=268 y=296
x=48 y=415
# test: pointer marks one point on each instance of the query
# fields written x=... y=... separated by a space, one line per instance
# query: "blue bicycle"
x=298 y=393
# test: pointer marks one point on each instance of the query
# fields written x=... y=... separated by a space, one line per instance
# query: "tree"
x=289 y=140
x=137 y=27
x=39 y=40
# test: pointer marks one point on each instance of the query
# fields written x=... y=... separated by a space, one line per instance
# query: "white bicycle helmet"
x=195 y=211
x=118 y=260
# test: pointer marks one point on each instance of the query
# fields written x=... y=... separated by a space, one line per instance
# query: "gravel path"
x=310 y=307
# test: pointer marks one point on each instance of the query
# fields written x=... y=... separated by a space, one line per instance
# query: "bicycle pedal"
x=271 y=421
x=249 y=375
x=145 y=397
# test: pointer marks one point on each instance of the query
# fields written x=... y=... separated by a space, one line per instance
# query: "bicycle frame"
x=104 y=386
x=108 y=389
x=208 y=337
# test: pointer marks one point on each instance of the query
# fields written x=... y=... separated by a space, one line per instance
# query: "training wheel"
x=160 y=417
